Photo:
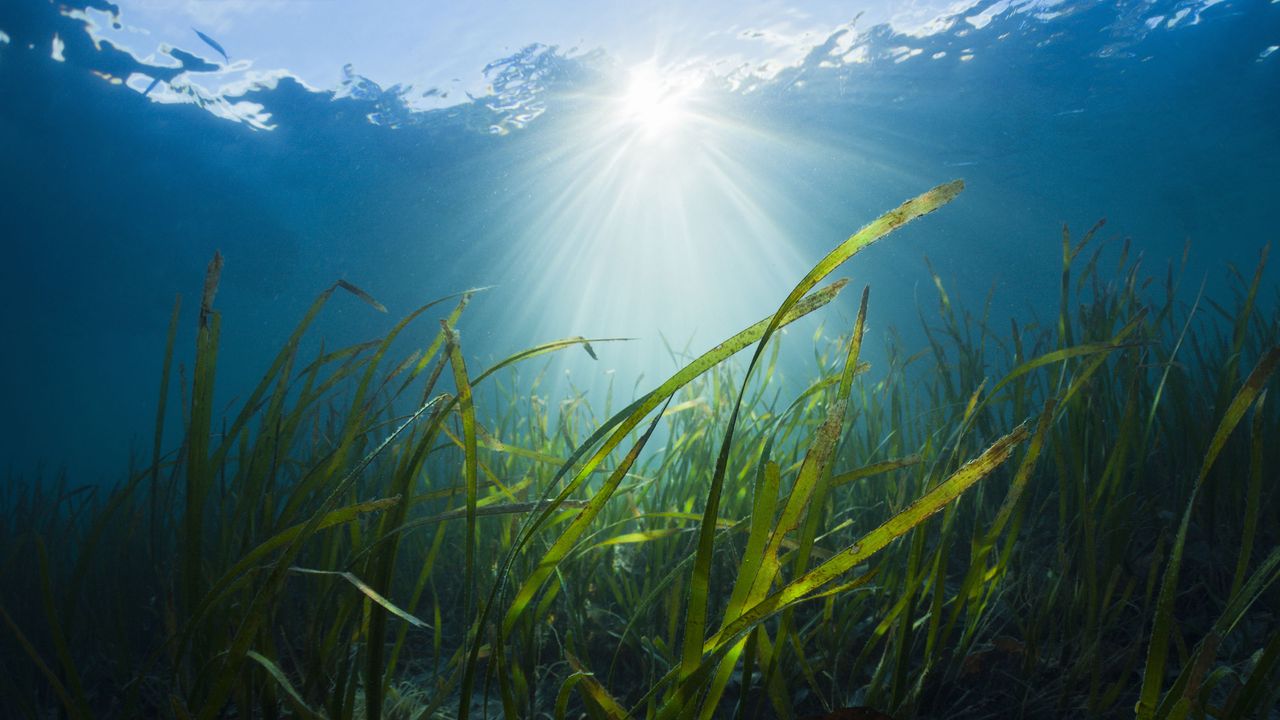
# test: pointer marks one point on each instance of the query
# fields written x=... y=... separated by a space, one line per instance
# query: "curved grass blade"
x=843 y=561
x=63 y=651
x=200 y=467
x=366 y=297
x=1253 y=497
x=621 y=424
x=1260 y=684
x=543 y=349
x=170 y=337
x=299 y=705
x=764 y=503
x=874 y=469
x=614 y=430
x=290 y=347
x=561 y=547
x=466 y=409
x=595 y=692
x=699 y=585
x=633 y=538
x=72 y=708
x=977 y=572
x=808 y=492
x=236 y=653
x=236 y=576
x=1162 y=625
x=566 y=689
x=1056 y=356
x=368 y=592
x=1183 y=691
x=517 y=508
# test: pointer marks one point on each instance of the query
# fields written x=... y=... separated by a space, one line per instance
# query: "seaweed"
x=1051 y=521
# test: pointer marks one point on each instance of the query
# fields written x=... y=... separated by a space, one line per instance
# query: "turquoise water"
x=128 y=161
x=664 y=174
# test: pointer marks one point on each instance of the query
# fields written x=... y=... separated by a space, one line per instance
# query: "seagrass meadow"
x=1074 y=517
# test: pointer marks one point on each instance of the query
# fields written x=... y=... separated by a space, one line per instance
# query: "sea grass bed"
x=1072 y=518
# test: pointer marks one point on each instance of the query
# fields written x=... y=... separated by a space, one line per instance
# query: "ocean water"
x=654 y=172
x=1159 y=117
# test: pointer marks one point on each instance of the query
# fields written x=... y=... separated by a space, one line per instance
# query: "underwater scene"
x=796 y=359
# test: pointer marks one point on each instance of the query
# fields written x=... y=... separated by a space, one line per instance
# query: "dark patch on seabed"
x=1073 y=514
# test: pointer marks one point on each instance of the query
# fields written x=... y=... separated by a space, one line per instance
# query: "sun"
x=652 y=103
x=654 y=198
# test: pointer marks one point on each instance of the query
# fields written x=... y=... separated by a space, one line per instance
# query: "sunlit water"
x=663 y=177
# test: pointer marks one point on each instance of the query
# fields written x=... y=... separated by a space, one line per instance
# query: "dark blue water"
x=114 y=195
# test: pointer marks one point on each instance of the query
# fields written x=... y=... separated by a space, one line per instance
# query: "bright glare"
x=654 y=103
x=655 y=213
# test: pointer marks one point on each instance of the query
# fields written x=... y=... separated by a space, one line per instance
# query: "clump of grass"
x=1059 y=519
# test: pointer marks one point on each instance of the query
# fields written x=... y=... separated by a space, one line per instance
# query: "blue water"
x=122 y=171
